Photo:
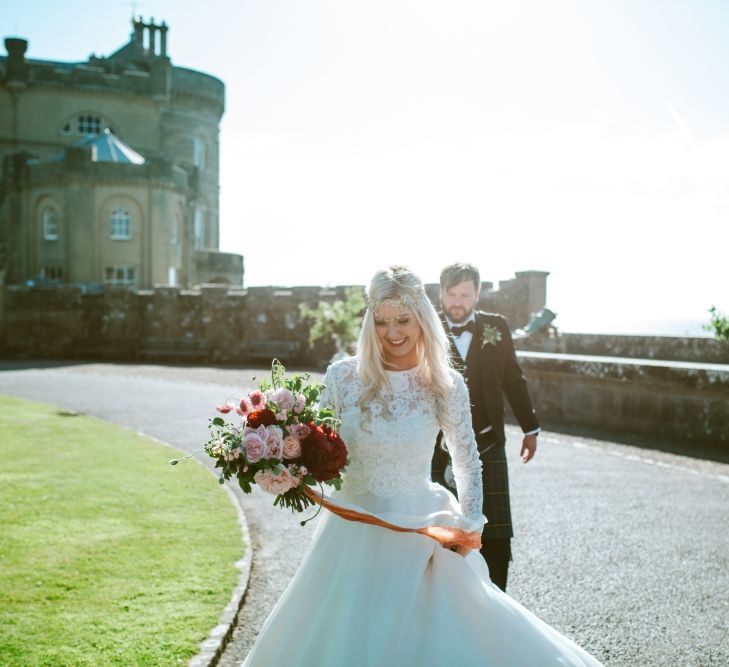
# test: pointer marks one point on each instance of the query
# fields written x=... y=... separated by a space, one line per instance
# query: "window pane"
x=50 y=224
x=87 y=124
x=121 y=224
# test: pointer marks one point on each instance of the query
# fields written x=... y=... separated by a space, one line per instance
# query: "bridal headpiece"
x=401 y=302
x=396 y=289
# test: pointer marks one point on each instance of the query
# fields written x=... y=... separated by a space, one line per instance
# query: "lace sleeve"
x=464 y=453
x=329 y=397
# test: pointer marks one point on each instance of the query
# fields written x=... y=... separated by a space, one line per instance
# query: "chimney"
x=16 y=71
x=152 y=38
x=163 y=39
x=138 y=34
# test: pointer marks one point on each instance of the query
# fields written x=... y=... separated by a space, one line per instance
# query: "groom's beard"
x=457 y=314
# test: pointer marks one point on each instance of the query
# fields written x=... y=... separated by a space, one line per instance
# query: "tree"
x=339 y=320
x=719 y=324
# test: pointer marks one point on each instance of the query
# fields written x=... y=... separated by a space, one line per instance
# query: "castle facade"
x=110 y=169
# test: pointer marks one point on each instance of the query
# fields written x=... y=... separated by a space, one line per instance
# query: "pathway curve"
x=625 y=550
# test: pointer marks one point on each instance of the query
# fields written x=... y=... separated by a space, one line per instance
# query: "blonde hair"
x=400 y=283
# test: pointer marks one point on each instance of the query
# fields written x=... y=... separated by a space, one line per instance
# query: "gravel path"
x=623 y=549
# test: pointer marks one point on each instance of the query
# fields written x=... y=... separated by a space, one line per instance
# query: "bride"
x=366 y=595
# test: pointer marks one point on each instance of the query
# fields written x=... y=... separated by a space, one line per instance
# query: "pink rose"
x=283 y=398
x=257 y=399
x=254 y=444
x=299 y=403
x=274 y=442
x=300 y=431
x=226 y=407
x=277 y=482
x=291 y=447
x=244 y=407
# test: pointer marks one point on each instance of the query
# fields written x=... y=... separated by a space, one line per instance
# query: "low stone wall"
x=673 y=405
x=669 y=348
x=212 y=324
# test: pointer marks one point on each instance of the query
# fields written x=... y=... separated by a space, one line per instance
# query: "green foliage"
x=340 y=320
x=719 y=325
x=110 y=556
x=277 y=373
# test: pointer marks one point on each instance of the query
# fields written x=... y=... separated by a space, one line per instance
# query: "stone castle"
x=109 y=198
x=110 y=169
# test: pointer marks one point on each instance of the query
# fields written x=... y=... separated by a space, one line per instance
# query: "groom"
x=484 y=353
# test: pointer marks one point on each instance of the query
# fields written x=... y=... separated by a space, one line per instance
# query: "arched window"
x=86 y=124
x=121 y=224
x=51 y=225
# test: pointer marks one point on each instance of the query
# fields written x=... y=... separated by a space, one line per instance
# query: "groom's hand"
x=528 y=447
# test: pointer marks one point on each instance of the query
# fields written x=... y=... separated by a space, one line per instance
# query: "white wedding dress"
x=366 y=596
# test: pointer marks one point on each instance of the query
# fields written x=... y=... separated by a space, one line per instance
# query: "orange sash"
x=445 y=535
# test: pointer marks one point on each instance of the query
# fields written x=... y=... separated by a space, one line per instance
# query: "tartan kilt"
x=495 y=476
x=496 y=505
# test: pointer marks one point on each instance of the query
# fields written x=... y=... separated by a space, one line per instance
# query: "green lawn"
x=108 y=555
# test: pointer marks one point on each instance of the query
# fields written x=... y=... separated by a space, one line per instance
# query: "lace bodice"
x=391 y=449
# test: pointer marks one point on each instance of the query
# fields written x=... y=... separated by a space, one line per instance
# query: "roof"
x=107 y=147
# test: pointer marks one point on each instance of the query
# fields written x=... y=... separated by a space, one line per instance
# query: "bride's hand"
x=461 y=551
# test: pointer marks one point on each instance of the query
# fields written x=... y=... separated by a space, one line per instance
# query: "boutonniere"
x=489 y=335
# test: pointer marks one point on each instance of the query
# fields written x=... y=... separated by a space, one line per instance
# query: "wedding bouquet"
x=283 y=441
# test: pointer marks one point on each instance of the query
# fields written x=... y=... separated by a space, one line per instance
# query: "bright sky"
x=587 y=139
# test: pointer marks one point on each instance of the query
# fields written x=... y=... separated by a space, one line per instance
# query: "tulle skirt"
x=366 y=596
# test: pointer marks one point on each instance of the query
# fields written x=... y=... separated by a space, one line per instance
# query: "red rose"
x=264 y=417
x=323 y=452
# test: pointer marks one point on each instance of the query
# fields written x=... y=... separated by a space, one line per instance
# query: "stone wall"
x=219 y=267
x=670 y=348
x=668 y=392
x=213 y=324
x=681 y=407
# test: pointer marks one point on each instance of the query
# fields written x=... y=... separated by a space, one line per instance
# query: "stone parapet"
x=212 y=323
x=103 y=76
x=79 y=165
x=659 y=403
x=668 y=348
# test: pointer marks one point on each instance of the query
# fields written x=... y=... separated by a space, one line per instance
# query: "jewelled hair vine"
x=401 y=302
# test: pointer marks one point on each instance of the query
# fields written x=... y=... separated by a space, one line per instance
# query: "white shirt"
x=462 y=342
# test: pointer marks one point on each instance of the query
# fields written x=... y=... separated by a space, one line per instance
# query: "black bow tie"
x=468 y=326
